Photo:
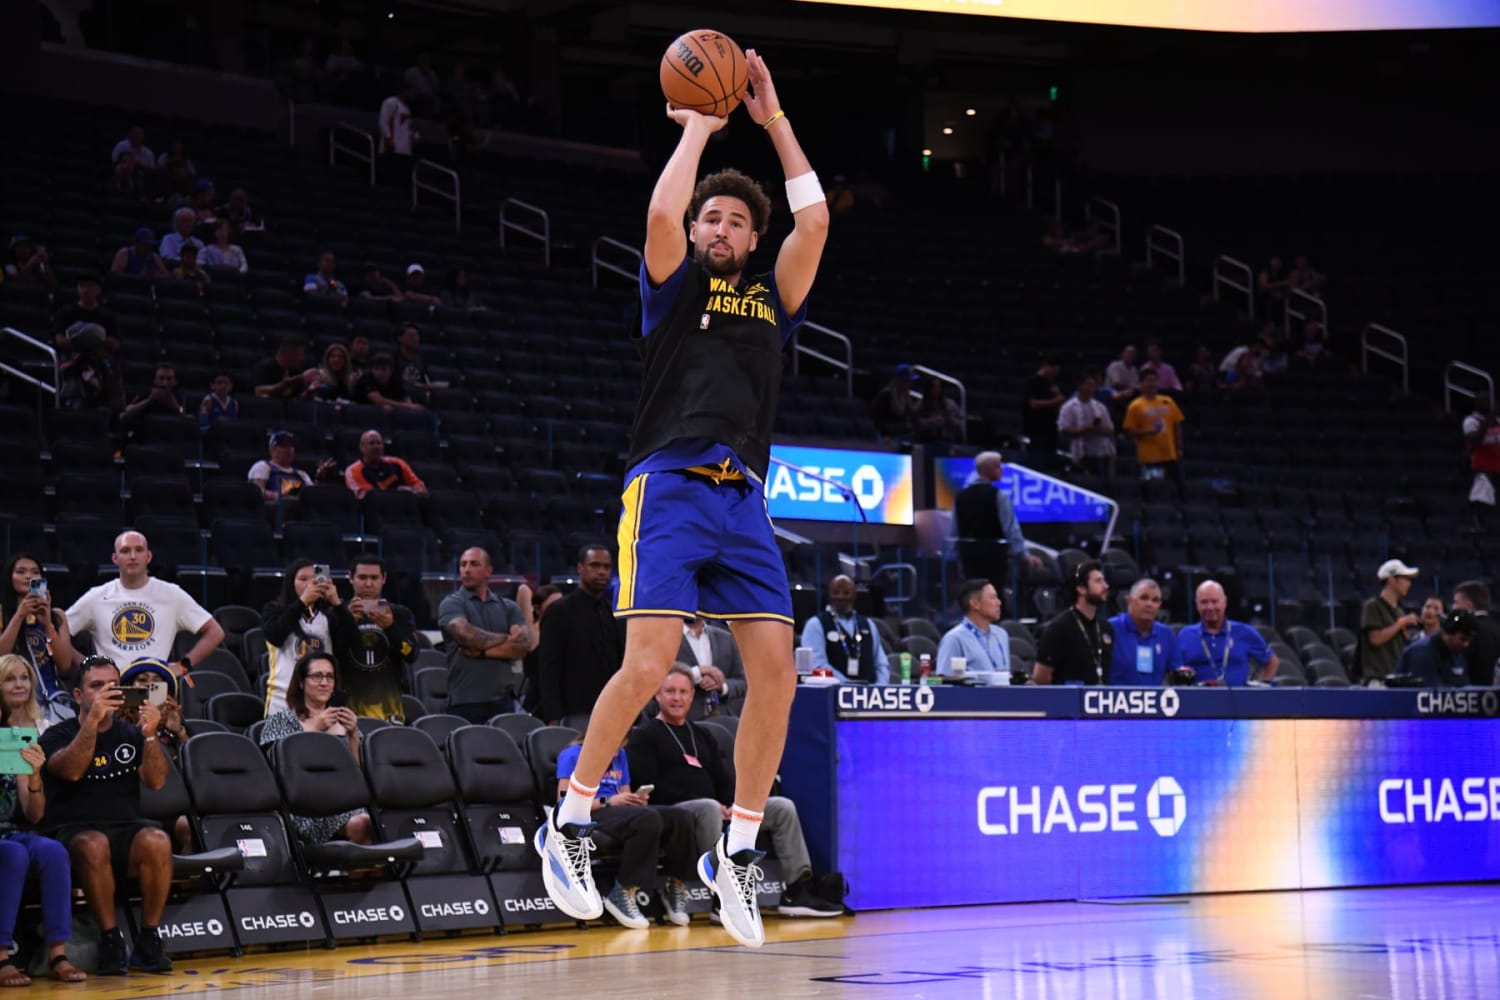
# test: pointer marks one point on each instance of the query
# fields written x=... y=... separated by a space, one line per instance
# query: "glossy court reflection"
x=1388 y=944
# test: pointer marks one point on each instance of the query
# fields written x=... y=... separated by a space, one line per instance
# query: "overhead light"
x=926 y=152
x=970 y=112
x=948 y=130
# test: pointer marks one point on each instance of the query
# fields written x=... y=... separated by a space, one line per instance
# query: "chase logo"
x=1166 y=806
x=132 y=627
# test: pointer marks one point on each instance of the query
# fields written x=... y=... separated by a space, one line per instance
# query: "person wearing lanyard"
x=1145 y=649
x=1220 y=650
x=977 y=638
x=843 y=640
x=1077 y=646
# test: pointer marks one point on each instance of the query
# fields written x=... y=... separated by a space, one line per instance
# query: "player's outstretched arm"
x=797 y=263
x=666 y=241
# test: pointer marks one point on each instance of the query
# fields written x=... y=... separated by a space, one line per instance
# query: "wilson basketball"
x=704 y=71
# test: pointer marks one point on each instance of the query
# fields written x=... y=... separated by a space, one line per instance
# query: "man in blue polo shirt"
x=977 y=638
x=1220 y=650
x=1145 y=649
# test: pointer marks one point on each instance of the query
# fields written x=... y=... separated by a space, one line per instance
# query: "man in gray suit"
x=712 y=657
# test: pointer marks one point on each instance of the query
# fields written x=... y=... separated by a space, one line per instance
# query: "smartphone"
x=156 y=692
x=320 y=573
x=12 y=741
x=338 y=700
x=646 y=789
x=135 y=697
x=39 y=586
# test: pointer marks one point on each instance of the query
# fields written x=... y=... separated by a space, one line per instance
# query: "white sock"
x=578 y=804
x=744 y=827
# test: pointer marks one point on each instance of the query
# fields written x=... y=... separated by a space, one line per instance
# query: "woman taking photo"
x=23 y=851
x=309 y=617
x=33 y=631
x=309 y=698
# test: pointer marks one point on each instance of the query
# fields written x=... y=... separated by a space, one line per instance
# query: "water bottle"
x=905 y=659
x=925 y=665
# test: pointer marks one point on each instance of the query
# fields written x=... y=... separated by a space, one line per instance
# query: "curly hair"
x=735 y=185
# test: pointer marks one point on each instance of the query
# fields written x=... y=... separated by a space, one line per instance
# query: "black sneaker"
x=148 y=955
x=112 y=961
x=799 y=900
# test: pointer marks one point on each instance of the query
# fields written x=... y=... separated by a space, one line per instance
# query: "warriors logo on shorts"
x=132 y=627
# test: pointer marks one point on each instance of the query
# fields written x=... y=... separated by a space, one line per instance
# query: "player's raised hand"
x=760 y=100
x=686 y=117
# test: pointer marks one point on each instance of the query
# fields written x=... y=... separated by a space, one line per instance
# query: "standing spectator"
x=1473 y=596
x=1305 y=278
x=1039 y=409
x=396 y=136
x=282 y=376
x=585 y=643
x=458 y=294
x=138 y=615
x=222 y=253
x=97 y=765
x=503 y=101
x=23 y=851
x=38 y=633
x=1382 y=626
x=333 y=374
x=89 y=379
x=1439 y=659
x=308 y=617
x=416 y=287
x=140 y=258
x=342 y=62
x=314 y=679
x=374 y=285
x=1220 y=650
x=323 y=282
x=1313 y=350
x=1085 y=424
x=219 y=406
x=462 y=95
x=1431 y=616
x=843 y=640
x=188 y=269
x=376 y=470
x=384 y=387
x=184 y=221
x=1482 y=441
x=978 y=637
x=713 y=659
x=488 y=636
x=893 y=408
x=546 y=596
x=1166 y=375
x=1122 y=379
x=421 y=86
x=1156 y=424
x=275 y=475
x=135 y=144
x=938 y=418
x=1077 y=646
x=1272 y=284
x=386 y=642
x=988 y=532
x=1145 y=650
x=240 y=214
x=1203 y=374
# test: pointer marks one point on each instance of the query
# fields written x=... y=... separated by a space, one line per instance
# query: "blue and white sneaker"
x=734 y=879
x=565 y=868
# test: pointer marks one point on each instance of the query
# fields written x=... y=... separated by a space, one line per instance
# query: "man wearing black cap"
x=282 y=375
x=1484 y=651
x=276 y=476
x=1439 y=659
x=90 y=379
x=1039 y=411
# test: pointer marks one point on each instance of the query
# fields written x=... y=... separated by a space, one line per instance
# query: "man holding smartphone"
x=1088 y=429
x=374 y=666
x=96 y=766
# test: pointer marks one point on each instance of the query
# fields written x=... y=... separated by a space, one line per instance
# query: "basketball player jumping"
x=695 y=535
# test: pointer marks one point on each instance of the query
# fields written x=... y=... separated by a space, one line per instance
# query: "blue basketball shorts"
x=689 y=545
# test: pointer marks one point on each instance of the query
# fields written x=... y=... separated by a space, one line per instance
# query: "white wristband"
x=803 y=190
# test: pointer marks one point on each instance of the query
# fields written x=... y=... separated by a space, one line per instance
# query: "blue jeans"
x=23 y=853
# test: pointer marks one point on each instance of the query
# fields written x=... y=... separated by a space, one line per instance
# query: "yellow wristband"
x=772 y=120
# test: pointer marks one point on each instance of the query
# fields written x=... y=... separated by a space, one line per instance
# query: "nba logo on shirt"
x=132 y=627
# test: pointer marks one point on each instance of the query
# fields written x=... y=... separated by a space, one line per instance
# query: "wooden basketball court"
x=1386 y=944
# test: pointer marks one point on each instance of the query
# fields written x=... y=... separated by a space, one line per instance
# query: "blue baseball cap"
x=152 y=668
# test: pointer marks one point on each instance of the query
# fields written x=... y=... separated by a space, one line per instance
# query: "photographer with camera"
x=308 y=617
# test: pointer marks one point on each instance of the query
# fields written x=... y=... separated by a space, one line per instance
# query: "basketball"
x=704 y=71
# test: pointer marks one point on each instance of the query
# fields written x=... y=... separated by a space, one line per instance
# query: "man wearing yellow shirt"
x=1156 y=424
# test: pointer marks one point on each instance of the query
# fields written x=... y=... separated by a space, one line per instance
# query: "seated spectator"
x=127 y=179
x=377 y=471
x=458 y=295
x=643 y=834
x=307 y=617
x=87 y=310
x=1145 y=650
x=1075 y=645
x=383 y=387
x=503 y=102
x=1484 y=651
x=276 y=476
x=414 y=376
x=487 y=638
x=310 y=688
x=1313 y=351
x=1221 y=650
x=713 y=658
x=683 y=764
x=1203 y=374
x=222 y=253
x=1122 y=379
x=96 y=767
x=424 y=85
x=1273 y=359
x=1306 y=279
x=374 y=285
x=161 y=400
x=1272 y=284
x=1439 y=659
x=177 y=154
x=416 y=287
x=240 y=215
x=977 y=638
x=1244 y=375
x=29 y=264
x=140 y=258
x=135 y=144
x=1166 y=375
x=342 y=62
x=842 y=639
x=188 y=269
x=893 y=408
x=282 y=375
x=461 y=95
x=219 y=406
x=1431 y=616
x=173 y=186
x=37 y=631
x=938 y=419
x=386 y=642
x=333 y=374
x=322 y=282
x=164 y=692
x=23 y=851
x=184 y=221
x=359 y=359
x=202 y=201
x=1086 y=425
x=89 y=379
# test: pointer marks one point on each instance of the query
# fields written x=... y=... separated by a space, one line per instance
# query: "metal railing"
x=844 y=364
x=904 y=582
x=514 y=205
x=342 y=139
x=632 y=275
x=1223 y=263
x=1393 y=350
x=50 y=389
x=1450 y=386
x=963 y=394
x=1300 y=305
x=1110 y=220
x=1057 y=197
x=1168 y=243
x=453 y=193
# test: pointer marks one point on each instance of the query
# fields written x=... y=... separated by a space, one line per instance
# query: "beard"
x=1097 y=600
x=722 y=267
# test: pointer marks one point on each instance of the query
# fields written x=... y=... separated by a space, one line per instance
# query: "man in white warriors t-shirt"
x=138 y=616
